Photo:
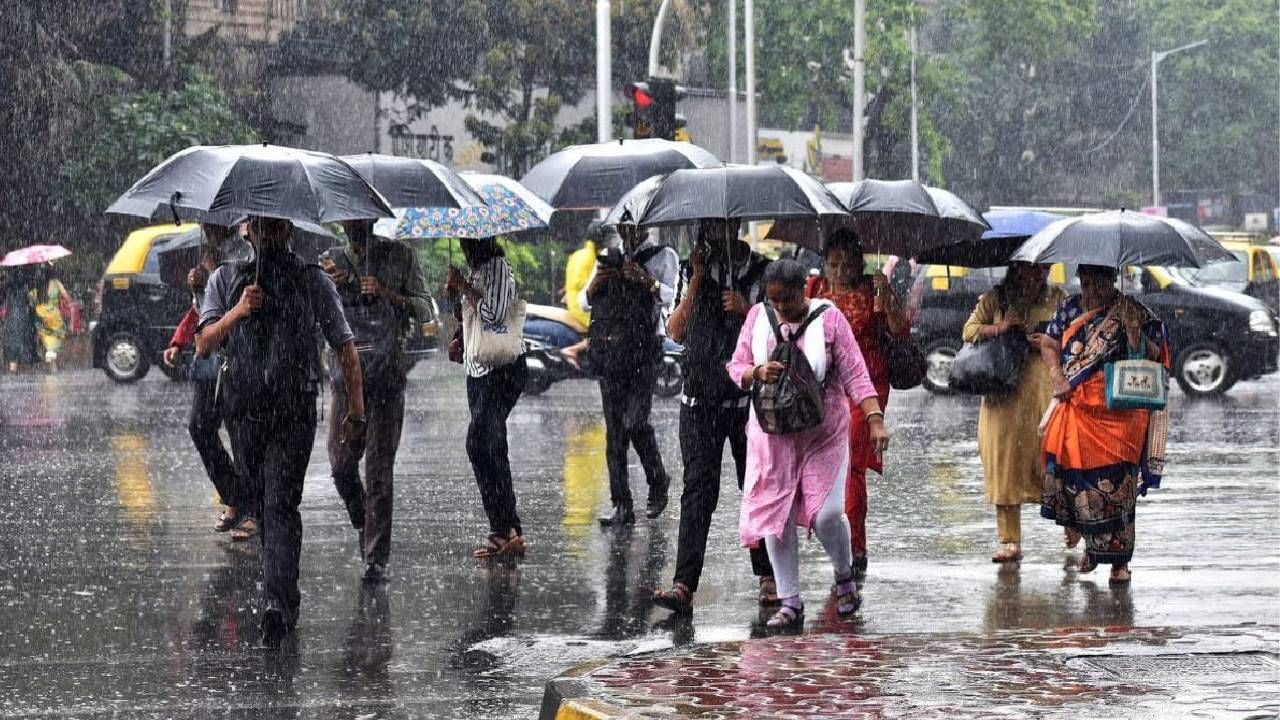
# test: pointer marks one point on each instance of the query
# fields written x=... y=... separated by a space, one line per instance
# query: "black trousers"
x=628 y=402
x=202 y=424
x=274 y=450
x=491 y=398
x=703 y=432
x=369 y=503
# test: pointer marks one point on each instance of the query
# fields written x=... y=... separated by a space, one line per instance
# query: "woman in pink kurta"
x=797 y=480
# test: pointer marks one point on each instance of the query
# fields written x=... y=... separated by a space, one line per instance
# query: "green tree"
x=1218 y=103
x=132 y=133
x=426 y=50
x=803 y=82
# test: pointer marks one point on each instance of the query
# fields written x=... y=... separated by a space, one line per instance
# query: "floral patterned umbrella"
x=509 y=208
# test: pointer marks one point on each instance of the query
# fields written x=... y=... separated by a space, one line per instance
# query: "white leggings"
x=832 y=528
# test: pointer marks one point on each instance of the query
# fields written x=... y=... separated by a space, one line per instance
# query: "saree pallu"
x=1096 y=460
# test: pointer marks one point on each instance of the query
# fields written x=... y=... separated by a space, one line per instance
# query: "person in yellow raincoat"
x=46 y=299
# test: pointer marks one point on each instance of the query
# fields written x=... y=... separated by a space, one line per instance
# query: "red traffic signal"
x=638 y=93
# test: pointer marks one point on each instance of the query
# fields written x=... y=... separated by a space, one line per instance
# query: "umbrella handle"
x=173 y=207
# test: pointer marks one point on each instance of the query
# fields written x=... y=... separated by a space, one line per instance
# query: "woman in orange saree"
x=1098 y=460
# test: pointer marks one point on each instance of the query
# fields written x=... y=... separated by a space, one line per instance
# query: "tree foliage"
x=803 y=80
x=1055 y=99
x=130 y=134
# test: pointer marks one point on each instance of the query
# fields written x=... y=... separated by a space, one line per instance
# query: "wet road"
x=117 y=599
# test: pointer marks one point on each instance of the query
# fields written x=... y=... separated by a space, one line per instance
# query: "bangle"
x=874 y=413
x=755 y=370
x=357 y=421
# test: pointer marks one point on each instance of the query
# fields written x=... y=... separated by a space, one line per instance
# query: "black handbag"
x=904 y=360
x=993 y=367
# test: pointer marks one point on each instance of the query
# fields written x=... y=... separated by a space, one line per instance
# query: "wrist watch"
x=357 y=420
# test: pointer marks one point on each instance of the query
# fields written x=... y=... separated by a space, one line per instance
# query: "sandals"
x=225 y=522
x=1072 y=538
x=1120 y=575
x=769 y=592
x=848 y=598
x=246 y=530
x=788 y=617
x=499 y=545
x=1007 y=554
x=1087 y=565
x=679 y=599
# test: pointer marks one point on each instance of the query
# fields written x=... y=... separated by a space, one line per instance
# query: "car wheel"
x=939 y=355
x=1203 y=370
x=125 y=360
x=670 y=381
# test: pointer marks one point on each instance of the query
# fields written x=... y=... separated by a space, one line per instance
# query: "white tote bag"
x=493 y=344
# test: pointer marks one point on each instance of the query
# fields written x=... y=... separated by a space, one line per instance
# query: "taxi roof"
x=132 y=255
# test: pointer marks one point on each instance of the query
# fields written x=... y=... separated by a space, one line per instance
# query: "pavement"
x=117 y=599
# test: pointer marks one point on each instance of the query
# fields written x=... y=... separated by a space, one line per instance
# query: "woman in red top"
x=872 y=309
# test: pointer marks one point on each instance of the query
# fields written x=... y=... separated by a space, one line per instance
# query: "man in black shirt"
x=718 y=285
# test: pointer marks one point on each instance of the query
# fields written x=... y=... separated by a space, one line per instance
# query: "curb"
x=568 y=698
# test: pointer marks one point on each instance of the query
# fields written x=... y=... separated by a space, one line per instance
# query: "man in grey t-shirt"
x=258 y=315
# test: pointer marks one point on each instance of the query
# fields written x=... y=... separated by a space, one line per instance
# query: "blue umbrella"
x=1009 y=229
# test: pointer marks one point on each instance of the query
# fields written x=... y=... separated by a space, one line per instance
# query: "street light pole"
x=749 y=37
x=859 y=87
x=604 y=72
x=733 y=79
x=915 y=123
x=1156 y=57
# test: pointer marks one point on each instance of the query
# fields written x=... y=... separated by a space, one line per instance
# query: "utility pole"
x=655 y=39
x=732 y=29
x=1156 y=57
x=915 y=99
x=749 y=37
x=859 y=82
x=604 y=72
x=166 y=8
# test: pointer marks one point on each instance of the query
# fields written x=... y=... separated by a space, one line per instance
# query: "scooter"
x=549 y=329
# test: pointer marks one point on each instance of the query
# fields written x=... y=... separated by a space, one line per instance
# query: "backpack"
x=623 y=334
x=272 y=356
x=794 y=403
x=378 y=328
x=711 y=337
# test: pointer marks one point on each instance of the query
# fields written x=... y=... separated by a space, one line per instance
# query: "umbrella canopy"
x=592 y=177
x=413 y=183
x=896 y=217
x=34 y=255
x=730 y=192
x=266 y=180
x=1118 y=238
x=507 y=207
x=1009 y=229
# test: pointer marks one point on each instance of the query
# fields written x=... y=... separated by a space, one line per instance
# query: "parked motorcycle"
x=549 y=329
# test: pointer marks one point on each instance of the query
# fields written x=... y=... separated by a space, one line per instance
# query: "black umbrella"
x=730 y=192
x=414 y=183
x=591 y=177
x=1009 y=229
x=895 y=217
x=265 y=180
x=1119 y=238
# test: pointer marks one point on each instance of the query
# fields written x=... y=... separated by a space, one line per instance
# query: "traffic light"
x=653 y=108
x=640 y=120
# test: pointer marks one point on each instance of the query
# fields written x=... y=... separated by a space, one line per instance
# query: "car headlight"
x=1260 y=321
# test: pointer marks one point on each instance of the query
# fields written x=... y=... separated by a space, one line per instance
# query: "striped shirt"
x=497 y=287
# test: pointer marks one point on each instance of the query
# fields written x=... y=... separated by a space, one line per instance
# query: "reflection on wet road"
x=117 y=597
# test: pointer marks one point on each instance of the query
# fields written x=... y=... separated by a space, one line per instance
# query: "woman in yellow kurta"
x=46 y=299
x=1007 y=438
